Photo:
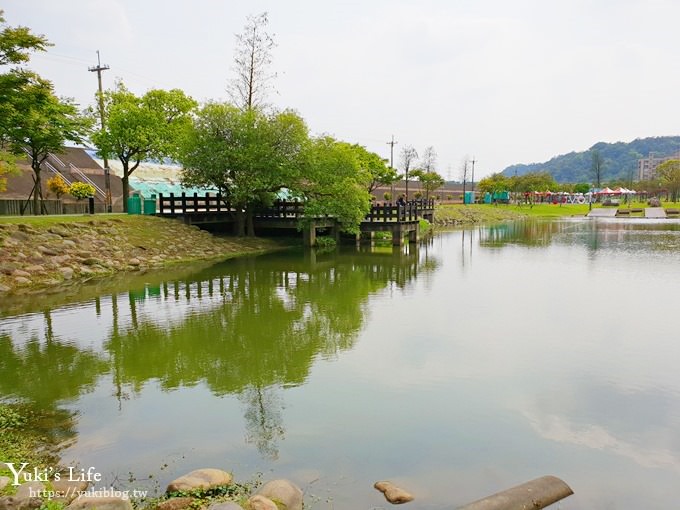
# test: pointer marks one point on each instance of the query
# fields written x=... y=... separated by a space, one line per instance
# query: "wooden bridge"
x=214 y=209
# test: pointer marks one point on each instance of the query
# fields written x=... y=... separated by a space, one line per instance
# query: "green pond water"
x=469 y=364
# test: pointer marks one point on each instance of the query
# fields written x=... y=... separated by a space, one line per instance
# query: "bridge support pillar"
x=414 y=235
x=309 y=234
x=397 y=236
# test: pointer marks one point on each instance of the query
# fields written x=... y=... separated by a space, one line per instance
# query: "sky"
x=498 y=81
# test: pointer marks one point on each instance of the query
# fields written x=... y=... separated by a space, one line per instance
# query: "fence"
x=12 y=207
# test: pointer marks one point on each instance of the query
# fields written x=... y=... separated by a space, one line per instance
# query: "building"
x=73 y=164
x=647 y=166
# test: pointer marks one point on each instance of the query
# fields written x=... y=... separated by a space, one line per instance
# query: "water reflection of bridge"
x=213 y=210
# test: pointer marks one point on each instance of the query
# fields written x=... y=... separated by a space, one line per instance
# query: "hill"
x=620 y=160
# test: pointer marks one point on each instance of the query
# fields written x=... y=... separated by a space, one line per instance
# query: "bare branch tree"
x=408 y=158
x=428 y=162
x=252 y=59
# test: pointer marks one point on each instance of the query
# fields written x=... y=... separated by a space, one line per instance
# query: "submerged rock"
x=392 y=493
x=284 y=492
x=200 y=479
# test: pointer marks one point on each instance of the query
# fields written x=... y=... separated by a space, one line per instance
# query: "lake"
x=477 y=361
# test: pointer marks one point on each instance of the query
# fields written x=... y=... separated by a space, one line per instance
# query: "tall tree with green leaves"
x=669 y=177
x=335 y=183
x=41 y=124
x=494 y=183
x=252 y=61
x=248 y=155
x=429 y=180
x=380 y=173
x=137 y=128
x=16 y=45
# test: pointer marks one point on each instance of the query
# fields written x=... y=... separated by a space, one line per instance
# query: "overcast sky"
x=505 y=81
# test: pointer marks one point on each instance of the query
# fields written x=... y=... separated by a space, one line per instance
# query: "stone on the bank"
x=47 y=251
x=134 y=262
x=259 y=502
x=175 y=503
x=392 y=493
x=21 y=280
x=4 y=288
x=14 y=503
x=200 y=479
x=100 y=503
x=30 y=490
x=66 y=272
x=225 y=505
x=36 y=268
x=21 y=273
x=4 y=480
x=68 y=490
x=284 y=492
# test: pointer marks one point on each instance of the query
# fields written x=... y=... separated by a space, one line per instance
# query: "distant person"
x=401 y=201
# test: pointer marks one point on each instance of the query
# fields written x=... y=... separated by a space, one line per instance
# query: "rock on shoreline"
x=50 y=254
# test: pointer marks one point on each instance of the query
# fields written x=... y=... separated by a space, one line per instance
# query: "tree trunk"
x=250 y=224
x=239 y=225
x=126 y=190
x=37 y=192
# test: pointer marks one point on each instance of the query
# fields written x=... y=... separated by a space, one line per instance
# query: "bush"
x=80 y=190
x=58 y=186
x=387 y=196
x=325 y=242
x=418 y=195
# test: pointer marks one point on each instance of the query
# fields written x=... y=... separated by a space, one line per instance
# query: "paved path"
x=601 y=212
x=655 y=212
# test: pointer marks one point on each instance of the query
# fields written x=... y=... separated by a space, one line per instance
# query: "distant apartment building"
x=647 y=166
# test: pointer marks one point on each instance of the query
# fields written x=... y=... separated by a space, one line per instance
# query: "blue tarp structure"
x=147 y=188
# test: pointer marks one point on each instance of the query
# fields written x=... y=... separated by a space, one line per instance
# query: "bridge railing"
x=410 y=211
x=192 y=204
x=183 y=204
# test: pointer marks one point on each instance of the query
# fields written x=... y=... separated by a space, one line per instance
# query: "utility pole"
x=472 y=185
x=464 y=179
x=102 y=118
x=392 y=144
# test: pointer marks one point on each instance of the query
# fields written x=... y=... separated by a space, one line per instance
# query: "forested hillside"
x=620 y=160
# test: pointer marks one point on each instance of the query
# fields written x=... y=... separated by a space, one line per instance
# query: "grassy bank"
x=44 y=251
x=472 y=214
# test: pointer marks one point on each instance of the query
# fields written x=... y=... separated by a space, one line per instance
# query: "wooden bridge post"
x=414 y=235
x=397 y=235
x=309 y=234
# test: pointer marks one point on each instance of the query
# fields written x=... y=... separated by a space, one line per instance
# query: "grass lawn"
x=52 y=219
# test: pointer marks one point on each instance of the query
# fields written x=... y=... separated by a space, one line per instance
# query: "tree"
x=429 y=180
x=495 y=183
x=429 y=160
x=378 y=170
x=534 y=181
x=58 y=186
x=252 y=59
x=334 y=182
x=142 y=127
x=247 y=155
x=597 y=166
x=669 y=176
x=408 y=158
x=40 y=123
x=16 y=43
